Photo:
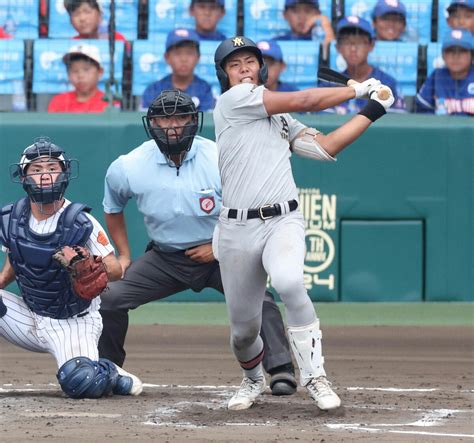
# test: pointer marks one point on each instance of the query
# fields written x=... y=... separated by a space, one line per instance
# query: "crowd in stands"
x=180 y=46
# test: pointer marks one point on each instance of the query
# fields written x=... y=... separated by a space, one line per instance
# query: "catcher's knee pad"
x=82 y=377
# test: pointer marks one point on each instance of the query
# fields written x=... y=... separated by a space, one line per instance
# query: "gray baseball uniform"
x=254 y=163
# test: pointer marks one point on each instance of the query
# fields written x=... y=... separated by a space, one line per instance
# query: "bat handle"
x=382 y=94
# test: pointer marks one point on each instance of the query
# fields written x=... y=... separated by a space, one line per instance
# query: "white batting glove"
x=362 y=89
x=376 y=91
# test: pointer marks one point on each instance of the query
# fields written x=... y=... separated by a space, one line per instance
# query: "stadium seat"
x=206 y=67
x=49 y=71
x=20 y=19
x=398 y=59
x=166 y=15
x=418 y=17
x=442 y=16
x=12 y=91
x=126 y=18
x=263 y=19
x=434 y=58
x=301 y=58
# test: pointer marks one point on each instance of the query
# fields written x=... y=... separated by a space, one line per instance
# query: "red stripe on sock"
x=252 y=363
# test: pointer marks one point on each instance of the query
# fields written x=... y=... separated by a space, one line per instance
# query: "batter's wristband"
x=373 y=110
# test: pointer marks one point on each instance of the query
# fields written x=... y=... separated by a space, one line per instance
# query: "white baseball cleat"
x=320 y=390
x=248 y=392
x=128 y=384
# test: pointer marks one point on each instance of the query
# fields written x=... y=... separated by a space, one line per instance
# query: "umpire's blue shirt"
x=180 y=210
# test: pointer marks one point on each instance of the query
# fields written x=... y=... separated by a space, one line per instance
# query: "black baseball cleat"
x=283 y=383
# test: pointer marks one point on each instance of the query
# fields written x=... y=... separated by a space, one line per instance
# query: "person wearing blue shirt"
x=182 y=54
x=306 y=22
x=207 y=14
x=389 y=20
x=273 y=58
x=450 y=90
x=174 y=178
x=355 y=40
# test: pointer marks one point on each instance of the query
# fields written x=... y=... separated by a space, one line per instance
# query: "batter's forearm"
x=7 y=275
x=118 y=232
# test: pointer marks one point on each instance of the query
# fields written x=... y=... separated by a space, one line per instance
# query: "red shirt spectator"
x=68 y=102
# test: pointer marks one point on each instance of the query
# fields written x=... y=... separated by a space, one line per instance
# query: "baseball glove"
x=88 y=272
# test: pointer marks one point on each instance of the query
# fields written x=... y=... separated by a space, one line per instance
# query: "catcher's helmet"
x=230 y=46
x=43 y=150
x=177 y=139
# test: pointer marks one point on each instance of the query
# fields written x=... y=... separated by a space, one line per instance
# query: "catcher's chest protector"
x=44 y=284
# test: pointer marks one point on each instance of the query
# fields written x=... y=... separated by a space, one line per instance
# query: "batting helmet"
x=177 y=139
x=42 y=150
x=229 y=47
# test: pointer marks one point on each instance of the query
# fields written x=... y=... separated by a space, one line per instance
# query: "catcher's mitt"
x=88 y=273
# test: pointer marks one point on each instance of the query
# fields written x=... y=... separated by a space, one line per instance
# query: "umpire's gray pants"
x=156 y=275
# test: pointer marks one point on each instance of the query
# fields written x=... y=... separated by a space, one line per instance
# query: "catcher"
x=62 y=261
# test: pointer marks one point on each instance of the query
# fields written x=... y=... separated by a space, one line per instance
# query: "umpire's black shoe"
x=283 y=383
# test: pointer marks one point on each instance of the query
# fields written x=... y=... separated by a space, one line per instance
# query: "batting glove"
x=374 y=93
x=362 y=89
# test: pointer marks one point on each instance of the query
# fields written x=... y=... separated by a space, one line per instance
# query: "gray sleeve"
x=243 y=104
x=295 y=126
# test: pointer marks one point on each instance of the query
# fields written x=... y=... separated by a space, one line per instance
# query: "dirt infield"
x=397 y=384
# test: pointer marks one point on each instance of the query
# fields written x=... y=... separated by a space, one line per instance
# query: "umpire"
x=178 y=190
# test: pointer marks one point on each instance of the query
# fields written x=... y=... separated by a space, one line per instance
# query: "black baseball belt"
x=264 y=212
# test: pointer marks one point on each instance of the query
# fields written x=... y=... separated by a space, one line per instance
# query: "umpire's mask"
x=41 y=187
x=175 y=138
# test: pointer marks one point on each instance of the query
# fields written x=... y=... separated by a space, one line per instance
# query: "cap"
x=180 y=35
x=383 y=7
x=270 y=48
x=464 y=3
x=458 y=37
x=355 y=22
x=289 y=3
x=221 y=3
x=89 y=51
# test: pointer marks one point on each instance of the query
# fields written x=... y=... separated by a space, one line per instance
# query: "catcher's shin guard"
x=82 y=377
x=306 y=345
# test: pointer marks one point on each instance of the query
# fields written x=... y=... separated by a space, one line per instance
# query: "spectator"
x=450 y=90
x=84 y=71
x=86 y=18
x=355 y=40
x=273 y=58
x=207 y=13
x=389 y=19
x=461 y=15
x=306 y=22
x=182 y=54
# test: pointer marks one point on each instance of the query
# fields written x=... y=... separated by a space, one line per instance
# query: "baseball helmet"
x=169 y=103
x=43 y=150
x=229 y=47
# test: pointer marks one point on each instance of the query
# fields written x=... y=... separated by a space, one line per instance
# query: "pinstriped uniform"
x=63 y=338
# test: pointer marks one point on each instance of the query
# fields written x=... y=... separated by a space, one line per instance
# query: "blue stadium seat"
x=263 y=19
x=418 y=17
x=20 y=18
x=126 y=19
x=301 y=58
x=399 y=59
x=166 y=15
x=442 y=16
x=12 y=54
x=434 y=58
x=49 y=71
x=149 y=64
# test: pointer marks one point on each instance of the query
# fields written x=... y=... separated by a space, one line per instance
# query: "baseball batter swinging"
x=62 y=260
x=260 y=231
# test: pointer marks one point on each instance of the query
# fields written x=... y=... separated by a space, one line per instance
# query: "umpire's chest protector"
x=44 y=284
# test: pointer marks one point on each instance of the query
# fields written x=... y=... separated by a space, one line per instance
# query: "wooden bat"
x=330 y=75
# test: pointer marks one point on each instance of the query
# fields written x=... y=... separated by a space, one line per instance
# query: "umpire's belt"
x=264 y=212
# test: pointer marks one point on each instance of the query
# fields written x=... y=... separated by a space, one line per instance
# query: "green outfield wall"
x=391 y=220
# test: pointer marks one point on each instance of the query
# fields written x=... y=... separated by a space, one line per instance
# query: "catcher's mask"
x=46 y=189
x=231 y=46
x=174 y=140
